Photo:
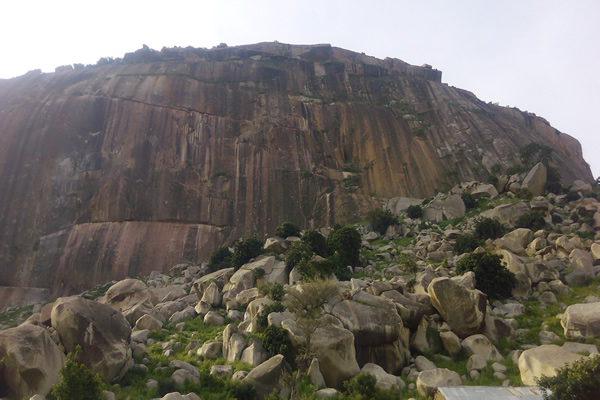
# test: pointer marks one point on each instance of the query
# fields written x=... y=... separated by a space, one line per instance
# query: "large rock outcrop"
x=136 y=165
x=29 y=362
x=102 y=332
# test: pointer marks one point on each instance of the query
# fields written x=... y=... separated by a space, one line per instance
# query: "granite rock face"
x=127 y=167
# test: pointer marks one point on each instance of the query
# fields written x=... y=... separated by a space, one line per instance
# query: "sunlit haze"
x=539 y=56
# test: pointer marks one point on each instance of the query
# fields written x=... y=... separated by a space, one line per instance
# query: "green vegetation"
x=578 y=381
x=465 y=244
x=380 y=220
x=275 y=341
x=492 y=277
x=287 y=229
x=524 y=194
x=345 y=242
x=488 y=228
x=415 y=211
x=220 y=259
x=77 y=382
x=316 y=241
x=244 y=250
x=534 y=220
x=469 y=200
x=363 y=387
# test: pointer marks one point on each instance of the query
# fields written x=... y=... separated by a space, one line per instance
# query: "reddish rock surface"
x=123 y=168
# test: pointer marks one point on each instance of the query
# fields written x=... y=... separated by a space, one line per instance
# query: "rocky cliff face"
x=132 y=166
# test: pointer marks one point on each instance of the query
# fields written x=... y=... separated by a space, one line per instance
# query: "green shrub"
x=262 y=317
x=245 y=250
x=220 y=259
x=407 y=263
x=346 y=243
x=556 y=219
x=316 y=241
x=534 y=220
x=414 y=212
x=380 y=220
x=258 y=273
x=524 y=194
x=322 y=269
x=491 y=275
x=276 y=292
x=492 y=179
x=572 y=195
x=465 y=244
x=275 y=341
x=287 y=229
x=469 y=200
x=241 y=390
x=298 y=252
x=364 y=387
x=577 y=381
x=77 y=382
x=488 y=228
x=496 y=169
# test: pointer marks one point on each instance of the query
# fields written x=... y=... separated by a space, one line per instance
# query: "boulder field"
x=414 y=325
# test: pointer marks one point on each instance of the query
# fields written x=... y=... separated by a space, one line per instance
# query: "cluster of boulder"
x=381 y=324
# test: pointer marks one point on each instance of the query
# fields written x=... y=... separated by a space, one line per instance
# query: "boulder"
x=233 y=343
x=335 y=347
x=454 y=207
x=148 y=322
x=543 y=360
x=484 y=191
x=423 y=364
x=276 y=245
x=132 y=298
x=213 y=318
x=254 y=354
x=581 y=321
x=212 y=295
x=314 y=373
x=399 y=205
x=426 y=338
x=507 y=213
x=272 y=374
x=224 y=371
x=433 y=211
x=480 y=345
x=463 y=309
x=29 y=362
x=535 y=180
x=385 y=381
x=428 y=381
x=221 y=277
x=211 y=350
x=376 y=327
x=181 y=375
x=102 y=332
x=451 y=343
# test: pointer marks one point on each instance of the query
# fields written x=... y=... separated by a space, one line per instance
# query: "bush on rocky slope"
x=578 y=381
x=491 y=276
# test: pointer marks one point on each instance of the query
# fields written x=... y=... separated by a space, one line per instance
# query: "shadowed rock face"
x=124 y=168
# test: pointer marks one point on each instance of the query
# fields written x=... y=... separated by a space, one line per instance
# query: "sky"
x=542 y=56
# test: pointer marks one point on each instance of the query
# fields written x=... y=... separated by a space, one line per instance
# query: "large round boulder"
x=428 y=381
x=29 y=362
x=274 y=373
x=544 y=360
x=102 y=332
x=463 y=309
x=132 y=298
x=337 y=357
x=582 y=321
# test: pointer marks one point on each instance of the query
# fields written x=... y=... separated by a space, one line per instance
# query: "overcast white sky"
x=542 y=56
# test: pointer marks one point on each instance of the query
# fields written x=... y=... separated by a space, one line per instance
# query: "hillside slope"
x=126 y=167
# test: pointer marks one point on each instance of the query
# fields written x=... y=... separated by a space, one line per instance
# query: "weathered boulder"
x=507 y=213
x=132 y=298
x=454 y=207
x=385 y=381
x=399 y=205
x=451 y=343
x=276 y=245
x=221 y=277
x=213 y=318
x=254 y=354
x=233 y=343
x=148 y=322
x=212 y=295
x=211 y=350
x=484 y=191
x=543 y=360
x=428 y=381
x=426 y=337
x=314 y=373
x=535 y=180
x=29 y=362
x=433 y=211
x=376 y=326
x=102 y=332
x=335 y=347
x=272 y=374
x=581 y=321
x=480 y=345
x=463 y=309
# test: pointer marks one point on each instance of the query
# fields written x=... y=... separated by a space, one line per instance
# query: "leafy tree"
x=415 y=211
x=380 y=220
x=578 y=381
x=245 y=250
x=220 y=259
x=492 y=277
x=298 y=252
x=346 y=243
x=492 y=179
x=316 y=241
x=488 y=228
x=77 y=382
x=287 y=229
x=465 y=244
x=276 y=341
x=534 y=220
x=524 y=194
x=469 y=200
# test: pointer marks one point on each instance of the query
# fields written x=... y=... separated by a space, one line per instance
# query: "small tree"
x=415 y=211
x=220 y=259
x=316 y=241
x=469 y=200
x=534 y=220
x=578 y=381
x=245 y=250
x=346 y=243
x=77 y=382
x=287 y=229
x=465 y=244
x=488 y=228
x=380 y=220
x=298 y=252
x=492 y=277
